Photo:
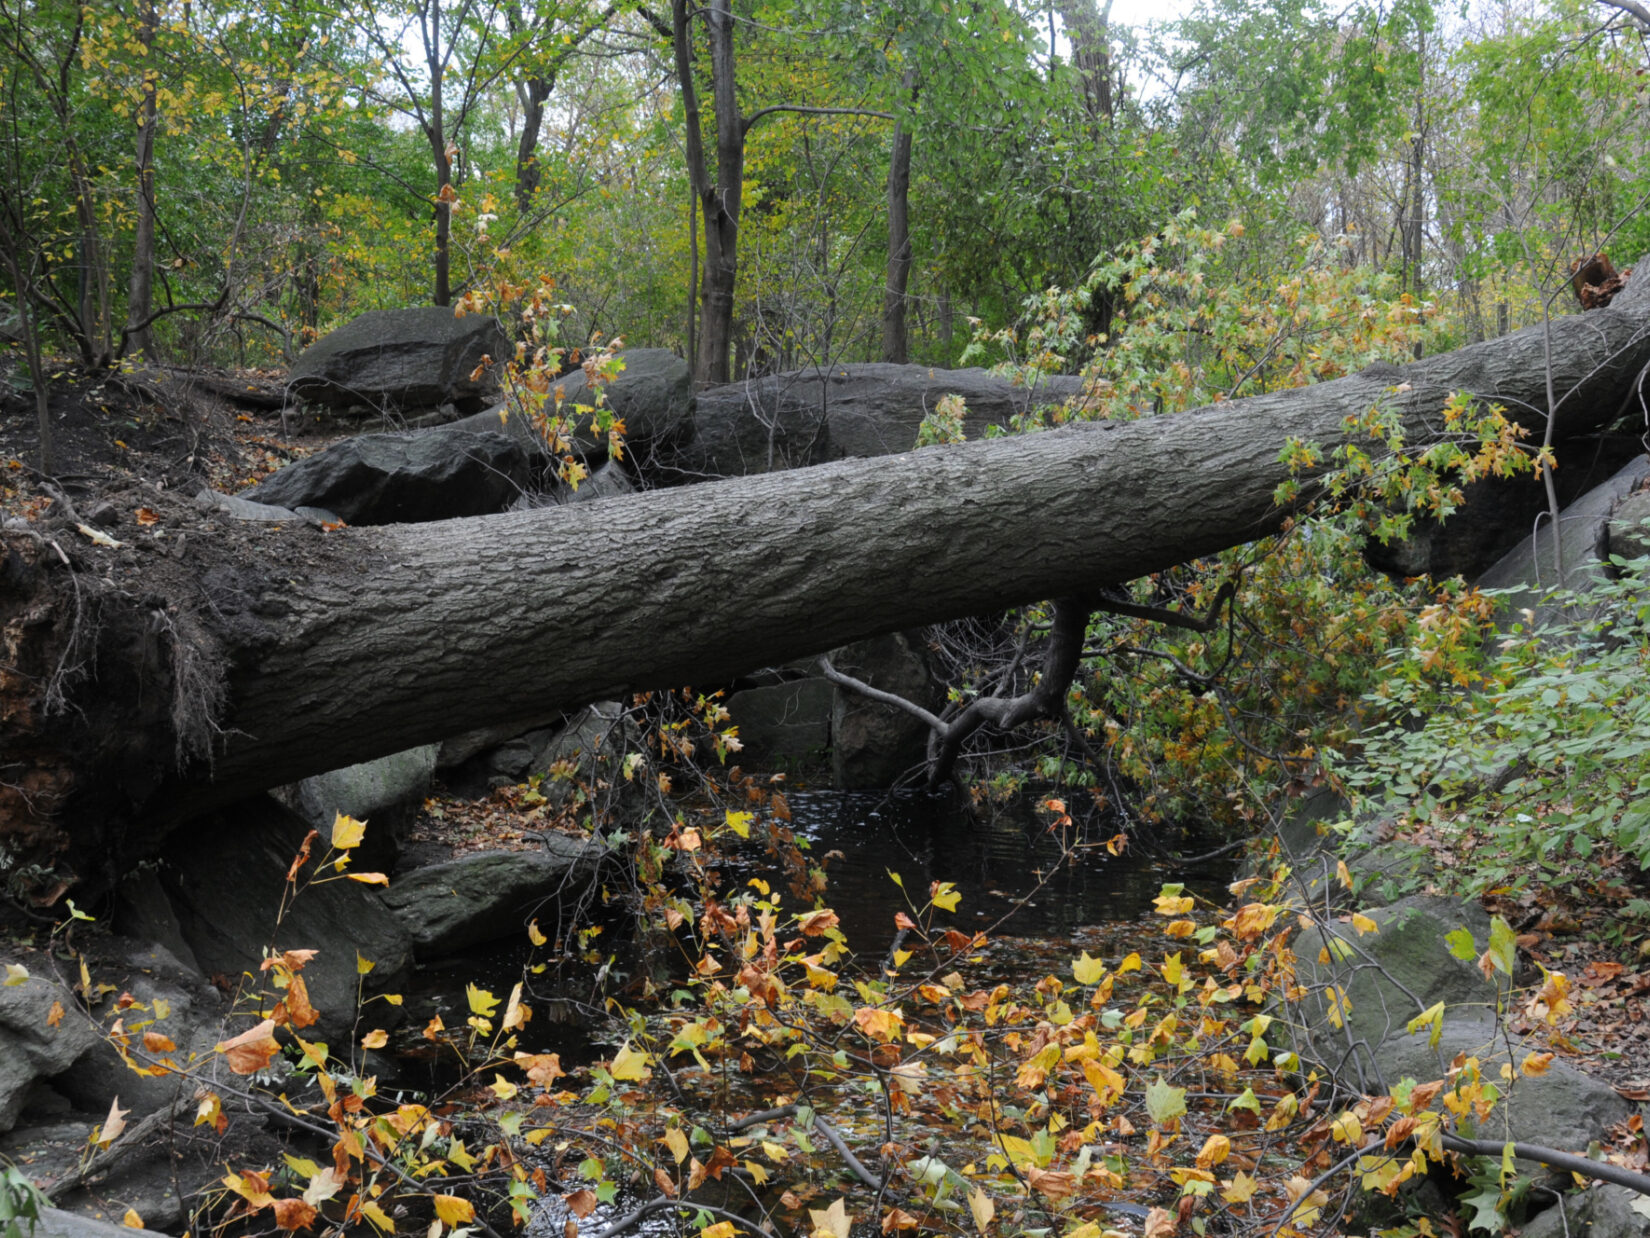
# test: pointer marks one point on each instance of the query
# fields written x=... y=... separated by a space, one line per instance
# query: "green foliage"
x=1537 y=769
x=20 y=1204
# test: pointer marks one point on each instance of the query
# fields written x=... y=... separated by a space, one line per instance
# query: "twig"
x=1567 y=1161
x=116 y=1151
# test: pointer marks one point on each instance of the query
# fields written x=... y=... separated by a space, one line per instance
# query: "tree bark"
x=367 y=641
x=895 y=344
x=140 y=291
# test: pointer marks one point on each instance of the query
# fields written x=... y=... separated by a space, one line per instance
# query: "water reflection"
x=994 y=859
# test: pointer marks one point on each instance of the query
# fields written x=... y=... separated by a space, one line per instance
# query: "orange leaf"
x=252 y=1050
x=147 y=516
x=292 y=1214
x=581 y=1203
x=897 y=1219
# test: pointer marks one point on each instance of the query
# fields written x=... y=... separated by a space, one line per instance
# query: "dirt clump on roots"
x=116 y=593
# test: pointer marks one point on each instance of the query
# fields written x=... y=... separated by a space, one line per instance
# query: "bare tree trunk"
x=721 y=206
x=140 y=291
x=1089 y=28
x=12 y=256
x=895 y=342
x=533 y=93
x=435 y=131
x=334 y=650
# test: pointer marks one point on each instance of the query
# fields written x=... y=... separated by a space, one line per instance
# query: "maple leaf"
x=1164 y=1102
x=629 y=1065
x=1086 y=970
x=347 y=832
x=830 y=1222
x=454 y=1211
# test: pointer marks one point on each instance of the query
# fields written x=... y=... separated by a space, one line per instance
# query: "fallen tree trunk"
x=362 y=642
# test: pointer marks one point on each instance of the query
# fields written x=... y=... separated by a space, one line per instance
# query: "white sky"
x=1139 y=12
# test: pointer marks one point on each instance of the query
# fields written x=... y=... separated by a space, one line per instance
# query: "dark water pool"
x=995 y=857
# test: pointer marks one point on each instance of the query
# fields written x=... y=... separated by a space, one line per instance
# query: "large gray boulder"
x=486 y=895
x=193 y=1020
x=1499 y=512
x=812 y=416
x=31 y=1048
x=873 y=745
x=1601 y=1211
x=1390 y=976
x=652 y=395
x=55 y=1223
x=1629 y=532
x=396 y=360
x=1584 y=536
x=225 y=882
x=386 y=793
x=405 y=478
x=785 y=725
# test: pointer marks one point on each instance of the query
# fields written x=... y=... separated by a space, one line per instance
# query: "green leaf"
x=1461 y=945
x=1165 y=1102
x=1248 y=1101
x=1503 y=951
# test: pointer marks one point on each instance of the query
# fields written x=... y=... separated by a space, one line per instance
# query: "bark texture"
x=406 y=634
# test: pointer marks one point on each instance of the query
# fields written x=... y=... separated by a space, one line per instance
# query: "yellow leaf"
x=375 y=1039
x=1131 y=963
x=1363 y=924
x=1239 y=1189
x=454 y=1211
x=979 y=1203
x=1536 y=1064
x=16 y=974
x=132 y=1220
x=722 y=1229
x=1346 y=1128
x=363 y=966
x=1215 y=1149
x=1087 y=970
x=502 y=1088
x=482 y=1002
x=516 y=1015
x=775 y=1152
x=347 y=832
x=534 y=935
x=677 y=1142
x=629 y=1065
x=369 y=879
x=944 y=895
x=379 y=1218
x=832 y=1222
